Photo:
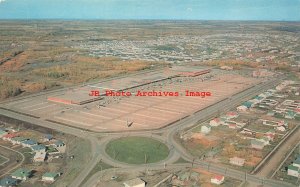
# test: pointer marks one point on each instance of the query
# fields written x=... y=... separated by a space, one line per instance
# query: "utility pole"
x=193 y=162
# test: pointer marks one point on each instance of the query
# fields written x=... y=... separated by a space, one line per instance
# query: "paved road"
x=268 y=169
x=16 y=166
x=95 y=146
x=203 y=115
x=176 y=150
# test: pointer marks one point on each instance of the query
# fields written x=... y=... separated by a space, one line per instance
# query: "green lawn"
x=137 y=150
x=99 y=167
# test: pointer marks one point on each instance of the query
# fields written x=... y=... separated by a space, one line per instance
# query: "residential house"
x=47 y=137
x=205 y=129
x=297 y=162
x=290 y=114
x=21 y=174
x=215 y=122
x=50 y=177
x=8 y=182
x=3 y=133
x=137 y=182
x=248 y=104
x=218 y=179
x=281 y=128
x=237 y=161
x=232 y=125
x=257 y=144
x=242 y=108
x=293 y=171
x=60 y=146
x=231 y=115
x=8 y=137
x=39 y=156
x=38 y=148
x=29 y=143
x=265 y=140
x=270 y=135
x=18 y=140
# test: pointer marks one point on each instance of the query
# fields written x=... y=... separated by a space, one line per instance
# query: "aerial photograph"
x=149 y=93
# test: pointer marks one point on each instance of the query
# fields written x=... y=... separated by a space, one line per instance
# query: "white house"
x=231 y=115
x=205 y=129
x=218 y=179
x=215 y=122
x=242 y=108
x=137 y=182
x=50 y=177
x=39 y=156
x=293 y=171
x=281 y=128
x=237 y=161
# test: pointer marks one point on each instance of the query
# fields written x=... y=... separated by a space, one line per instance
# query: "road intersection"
x=176 y=150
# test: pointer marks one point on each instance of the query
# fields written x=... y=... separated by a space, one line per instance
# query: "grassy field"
x=99 y=167
x=79 y=148
x=137 y=150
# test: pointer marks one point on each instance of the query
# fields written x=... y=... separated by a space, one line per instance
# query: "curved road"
x=16 y=166
x=169 y=132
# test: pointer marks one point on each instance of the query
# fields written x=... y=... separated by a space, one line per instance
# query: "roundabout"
x=137 y=150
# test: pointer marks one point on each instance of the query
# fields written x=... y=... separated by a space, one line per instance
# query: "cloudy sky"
x=288 y=10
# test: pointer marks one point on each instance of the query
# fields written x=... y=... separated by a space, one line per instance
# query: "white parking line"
x=100 y=87
x=96 y=115
x=21 y=101
x=77 y=122
x=165 y=110
x=34 y=105
x=148 y=116
x=42 y=107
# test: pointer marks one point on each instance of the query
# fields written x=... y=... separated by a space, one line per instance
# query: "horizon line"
x=139 y=19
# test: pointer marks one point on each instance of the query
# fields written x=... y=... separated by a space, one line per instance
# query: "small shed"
x=50 y=177
x=205 y=129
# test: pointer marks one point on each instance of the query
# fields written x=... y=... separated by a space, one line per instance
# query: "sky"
x=273 y=10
